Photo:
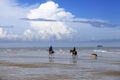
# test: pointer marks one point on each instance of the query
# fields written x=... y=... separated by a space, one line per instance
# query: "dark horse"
x=51 y=53
x=74 y=52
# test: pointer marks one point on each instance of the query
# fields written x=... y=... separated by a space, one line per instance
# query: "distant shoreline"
x=58 y=47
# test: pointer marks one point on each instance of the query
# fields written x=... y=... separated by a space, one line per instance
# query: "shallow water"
x=35 y=64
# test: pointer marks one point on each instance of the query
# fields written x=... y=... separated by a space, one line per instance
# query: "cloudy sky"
x=60 y=20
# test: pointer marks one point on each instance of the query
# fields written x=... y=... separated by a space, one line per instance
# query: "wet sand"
x=10 y=71
x=51 y=71
x=111 y=73
x=32 y=65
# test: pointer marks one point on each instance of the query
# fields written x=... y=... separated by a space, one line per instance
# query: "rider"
x=50 y=48
x=74 y=49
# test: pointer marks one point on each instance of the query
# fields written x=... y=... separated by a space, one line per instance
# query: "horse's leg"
x=73 y=55
x=76 y=54
x=53 y=55
x=50 y=55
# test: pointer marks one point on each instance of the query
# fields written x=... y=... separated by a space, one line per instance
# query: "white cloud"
x=2 y=33
x=51 y=25
x=28 y=35
x=8 y=35
x=49 y=10
x=10 y=14
x=46 y=30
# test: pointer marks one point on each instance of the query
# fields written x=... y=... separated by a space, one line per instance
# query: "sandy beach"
x=31 y=64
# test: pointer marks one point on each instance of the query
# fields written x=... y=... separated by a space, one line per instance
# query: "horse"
x=93 y=56
x=74 y=52
x=51 y=53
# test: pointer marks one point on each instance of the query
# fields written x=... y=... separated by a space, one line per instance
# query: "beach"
x=35 y=64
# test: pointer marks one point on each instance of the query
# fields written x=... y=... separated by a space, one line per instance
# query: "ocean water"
x=35 y=64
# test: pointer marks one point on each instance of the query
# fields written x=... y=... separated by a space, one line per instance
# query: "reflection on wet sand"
x=74 y=59
x=51 y=59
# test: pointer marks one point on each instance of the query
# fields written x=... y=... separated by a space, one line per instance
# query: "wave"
x=100 y=50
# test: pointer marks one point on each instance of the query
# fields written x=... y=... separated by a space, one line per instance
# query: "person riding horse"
x=74 y=52
x=51 y=52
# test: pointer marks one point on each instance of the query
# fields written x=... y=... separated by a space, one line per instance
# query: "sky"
x=60 y=21
x=100 y=9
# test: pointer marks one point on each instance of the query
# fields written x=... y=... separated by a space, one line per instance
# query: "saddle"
x=51 y=52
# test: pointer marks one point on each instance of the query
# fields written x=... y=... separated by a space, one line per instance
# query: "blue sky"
x=99 y=9
x=71 y=21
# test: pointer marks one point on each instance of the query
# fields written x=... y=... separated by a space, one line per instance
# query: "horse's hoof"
x=93 y=56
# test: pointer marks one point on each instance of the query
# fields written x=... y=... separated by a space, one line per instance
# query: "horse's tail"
x=53 y=51
x=71 y=51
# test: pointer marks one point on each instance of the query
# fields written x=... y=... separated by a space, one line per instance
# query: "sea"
x=36 y=64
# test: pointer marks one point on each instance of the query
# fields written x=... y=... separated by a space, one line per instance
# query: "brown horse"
x=74 y=52
x=93 y=56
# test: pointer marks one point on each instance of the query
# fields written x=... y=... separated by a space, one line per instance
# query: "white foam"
x=100 y=50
